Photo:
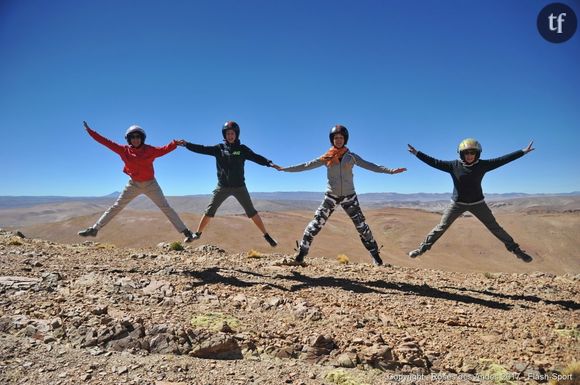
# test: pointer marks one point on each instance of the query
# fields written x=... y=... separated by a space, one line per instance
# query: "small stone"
x=347 y=360
x=55 y=323
x=100 y=310
x=122 y=370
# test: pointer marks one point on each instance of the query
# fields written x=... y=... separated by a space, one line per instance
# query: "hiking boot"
x=300 y=254
x=522 y=255
x=90 y=232
x=270 y=240
x=415 y=253
x=189 y=236
x=377 y=261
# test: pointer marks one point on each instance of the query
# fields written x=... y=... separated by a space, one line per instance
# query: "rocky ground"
x=96 y=314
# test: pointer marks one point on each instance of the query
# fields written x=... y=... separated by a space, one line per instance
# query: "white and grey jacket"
x=340 y=176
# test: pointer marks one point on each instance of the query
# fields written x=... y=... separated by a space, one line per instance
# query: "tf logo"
x=557 y=22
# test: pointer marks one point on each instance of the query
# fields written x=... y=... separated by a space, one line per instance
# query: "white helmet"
x=135 y=129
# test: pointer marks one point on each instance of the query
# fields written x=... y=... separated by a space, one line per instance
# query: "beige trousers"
x=133 y=189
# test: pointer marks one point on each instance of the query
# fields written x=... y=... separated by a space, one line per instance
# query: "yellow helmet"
x=469 y=144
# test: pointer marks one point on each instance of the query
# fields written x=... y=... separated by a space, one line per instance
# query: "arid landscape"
x=124 y=308
x=546 y=226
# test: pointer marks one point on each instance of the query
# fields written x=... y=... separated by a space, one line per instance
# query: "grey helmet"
x=135 y=129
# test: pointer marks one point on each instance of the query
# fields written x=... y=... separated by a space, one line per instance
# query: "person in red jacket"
x=138 y=158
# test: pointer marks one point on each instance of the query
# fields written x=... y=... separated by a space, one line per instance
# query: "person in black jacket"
x=230 y=158
x=467 y=173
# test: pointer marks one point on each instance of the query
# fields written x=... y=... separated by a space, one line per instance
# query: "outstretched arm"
x=256 y=158
x=304 y=166
x=375 y=167
x=259 y=159
x=160 y=151
x=206 y=150
x=442 y=165
x=492 y=164
x=115 y=147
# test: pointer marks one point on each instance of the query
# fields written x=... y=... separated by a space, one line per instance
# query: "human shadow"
x=299 y=281
x=212 y=276
x=215 y=275
x=377 y=286
x=567 y=304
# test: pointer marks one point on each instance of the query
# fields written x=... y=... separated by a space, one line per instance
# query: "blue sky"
x=429 y=73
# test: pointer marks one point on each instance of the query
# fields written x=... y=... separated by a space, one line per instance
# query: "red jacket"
x=138 y=161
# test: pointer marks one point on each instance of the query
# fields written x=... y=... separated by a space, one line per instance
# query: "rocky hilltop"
x=93 y=313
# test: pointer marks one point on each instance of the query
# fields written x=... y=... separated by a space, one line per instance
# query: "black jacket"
x=467 y=178
x=229 y=160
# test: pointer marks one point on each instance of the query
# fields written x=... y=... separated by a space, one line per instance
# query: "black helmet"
x=338 y=129
x=231 y=125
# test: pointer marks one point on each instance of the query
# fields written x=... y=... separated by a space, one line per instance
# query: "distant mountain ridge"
x=28 y=200
x=24 y=211
x=7 y=202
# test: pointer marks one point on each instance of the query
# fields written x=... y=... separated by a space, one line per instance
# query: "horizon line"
x=575 y=192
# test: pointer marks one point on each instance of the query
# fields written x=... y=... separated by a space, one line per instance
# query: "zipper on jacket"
x=340 y=173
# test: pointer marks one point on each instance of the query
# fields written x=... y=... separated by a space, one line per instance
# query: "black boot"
x=377 y=261
x=90 y=232
x=522 y=255
x=270 y=240
x=299 y=256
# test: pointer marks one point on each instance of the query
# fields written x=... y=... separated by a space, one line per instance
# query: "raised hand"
x=411 y=149
x=86 y=125
x=180 y=142
x=276 y=167
x=398 y=170
x=529 y=148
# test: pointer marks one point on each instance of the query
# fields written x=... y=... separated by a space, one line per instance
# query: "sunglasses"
x=134 y=136
x=470 y=152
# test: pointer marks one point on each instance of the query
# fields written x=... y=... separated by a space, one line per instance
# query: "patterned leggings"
x=351 y=206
